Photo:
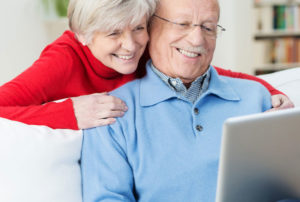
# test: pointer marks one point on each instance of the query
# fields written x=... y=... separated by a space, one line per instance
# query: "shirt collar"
x=153 y=88
x=221 y=87
x=196 y=88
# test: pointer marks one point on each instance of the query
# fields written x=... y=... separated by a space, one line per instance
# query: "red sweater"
x=65 y=69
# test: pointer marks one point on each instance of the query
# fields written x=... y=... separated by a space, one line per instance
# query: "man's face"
x=182 y=52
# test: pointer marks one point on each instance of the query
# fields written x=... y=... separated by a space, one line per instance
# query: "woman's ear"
x=81 y=39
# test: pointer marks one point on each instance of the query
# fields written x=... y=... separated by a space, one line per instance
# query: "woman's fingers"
x=97 y=109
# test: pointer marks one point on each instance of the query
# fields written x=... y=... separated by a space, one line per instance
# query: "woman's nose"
x=128 y=42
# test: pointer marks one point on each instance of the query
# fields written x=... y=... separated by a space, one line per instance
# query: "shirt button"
x=173 y=82
x=199 y=128
x=196 y=111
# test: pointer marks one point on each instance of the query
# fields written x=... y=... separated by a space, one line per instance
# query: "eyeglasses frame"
x=222 y=29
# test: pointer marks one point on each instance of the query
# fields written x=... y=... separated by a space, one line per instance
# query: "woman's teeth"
x=125 y=57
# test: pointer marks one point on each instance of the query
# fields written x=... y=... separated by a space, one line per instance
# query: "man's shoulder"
x=128 y=87
x=240 y=85
x=127 y=92
x=246 y=86
x=251 y=93
x=241 y=81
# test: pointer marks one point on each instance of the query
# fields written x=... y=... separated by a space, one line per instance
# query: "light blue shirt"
x=163 y=149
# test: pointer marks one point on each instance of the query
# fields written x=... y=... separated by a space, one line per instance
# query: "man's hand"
x=280 y=101
x=97 y=109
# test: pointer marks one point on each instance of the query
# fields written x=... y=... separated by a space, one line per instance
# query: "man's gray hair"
x=88 y=16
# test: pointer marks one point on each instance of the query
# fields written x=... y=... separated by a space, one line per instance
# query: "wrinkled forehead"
x=192 y=8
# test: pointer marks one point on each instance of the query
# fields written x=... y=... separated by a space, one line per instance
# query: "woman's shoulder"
x=64 y=48
x=68 y=38
x=66 y=42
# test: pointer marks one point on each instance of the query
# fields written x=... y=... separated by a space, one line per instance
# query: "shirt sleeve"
x=225 y=72
x=106 y=173
x=28 y=98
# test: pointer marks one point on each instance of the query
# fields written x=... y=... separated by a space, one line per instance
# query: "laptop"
x=260 y=158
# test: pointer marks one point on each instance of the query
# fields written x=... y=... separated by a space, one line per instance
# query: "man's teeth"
x=187 y=53
x=125 y=57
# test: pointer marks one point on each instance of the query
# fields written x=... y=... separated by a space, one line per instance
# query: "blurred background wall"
x=25 y=30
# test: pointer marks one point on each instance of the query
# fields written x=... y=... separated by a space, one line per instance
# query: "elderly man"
x=166 y=147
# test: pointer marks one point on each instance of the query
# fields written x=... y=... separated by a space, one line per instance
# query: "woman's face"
x=121 y=49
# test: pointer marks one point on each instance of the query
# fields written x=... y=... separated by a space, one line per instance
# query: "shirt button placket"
x=199 y=128
x=196 y=111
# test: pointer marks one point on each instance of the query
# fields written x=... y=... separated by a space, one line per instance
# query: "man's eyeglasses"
x=208 y=29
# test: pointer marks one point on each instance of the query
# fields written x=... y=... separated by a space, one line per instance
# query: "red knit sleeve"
x=225 y=72
x=53 y=115
x=28 y=98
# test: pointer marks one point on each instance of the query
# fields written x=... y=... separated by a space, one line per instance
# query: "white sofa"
x=287 y=81
x=39 y=164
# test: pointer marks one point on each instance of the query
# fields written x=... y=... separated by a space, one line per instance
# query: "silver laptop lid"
x=260 y=158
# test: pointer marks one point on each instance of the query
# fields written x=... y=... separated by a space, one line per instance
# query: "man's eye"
x=184 y=25
x=208 y=28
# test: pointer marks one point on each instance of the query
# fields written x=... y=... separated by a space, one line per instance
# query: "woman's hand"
x=97 y=109
x=280 y=101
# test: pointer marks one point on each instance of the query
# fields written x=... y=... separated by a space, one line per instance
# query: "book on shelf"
x=279 y=17
x=283 y=51
x=278 y=29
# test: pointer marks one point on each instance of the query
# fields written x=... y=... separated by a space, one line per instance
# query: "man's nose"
x=128 y=42
x=196 y=36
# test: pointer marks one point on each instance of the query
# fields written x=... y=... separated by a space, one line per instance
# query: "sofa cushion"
x=39 y=164
x=287 y=81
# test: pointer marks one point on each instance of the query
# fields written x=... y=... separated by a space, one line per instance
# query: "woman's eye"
x=114 y=34
x=139 y=28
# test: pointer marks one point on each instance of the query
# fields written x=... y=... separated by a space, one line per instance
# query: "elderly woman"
x=99 y=54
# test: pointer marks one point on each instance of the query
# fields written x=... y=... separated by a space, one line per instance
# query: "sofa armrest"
x=39 y=163
x=287 y=81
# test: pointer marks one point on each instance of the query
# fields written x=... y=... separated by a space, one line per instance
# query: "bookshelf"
x=277 y=29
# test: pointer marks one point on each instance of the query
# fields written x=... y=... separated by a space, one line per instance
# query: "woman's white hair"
x=88 y=16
